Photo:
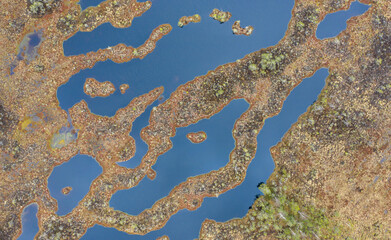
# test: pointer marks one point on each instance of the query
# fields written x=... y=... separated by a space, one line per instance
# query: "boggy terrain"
x=333 y=171
x=94 y=88
x=332 y=167
x=238 y=30
x=196 y=137
x=183 y=21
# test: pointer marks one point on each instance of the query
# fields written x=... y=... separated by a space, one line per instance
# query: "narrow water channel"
x=29 y=222
x=181 y=55
x=184 y=160
x=235 y=203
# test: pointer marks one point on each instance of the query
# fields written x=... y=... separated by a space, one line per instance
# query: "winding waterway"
x=179 y=57
x=29 y=222
x=234 y=203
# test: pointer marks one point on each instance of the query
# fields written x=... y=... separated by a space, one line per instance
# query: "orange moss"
x=196 y=137
x=94 y=88
x=66 y=190
x=123 y=88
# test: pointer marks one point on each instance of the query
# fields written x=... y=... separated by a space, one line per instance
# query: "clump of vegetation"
x=88 y=18
x=253 y=67
x=270 y=62
x=306 y=22
x=277 y=212
x=220 y=16
x=69 y=23
x=379 y=67
x=57 y=229
x=218 y=89
x=9 y=226
x=7 y=120
x=186 y=20
x=39 y=8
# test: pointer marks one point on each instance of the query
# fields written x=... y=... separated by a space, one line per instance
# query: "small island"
x=94 y=88
x=196 y=137
x=327 y=182
x=165 y=237
x=66 y=190
x=220 y=16
x=196 y=18
x=123 y=88
x=238 y=30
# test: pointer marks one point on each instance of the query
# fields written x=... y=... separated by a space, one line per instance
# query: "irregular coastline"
x=263 y=78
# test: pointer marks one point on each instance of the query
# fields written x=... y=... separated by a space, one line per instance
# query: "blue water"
x=78 y=172
x=184 y=160
x=181 y=55
x=89 y=3
x=29 y=222
x=29 y=45
x=141 y=146
x=27 y=49
x=35 y=39
x=12 y=67
x=334 y=23
x=234 y=203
